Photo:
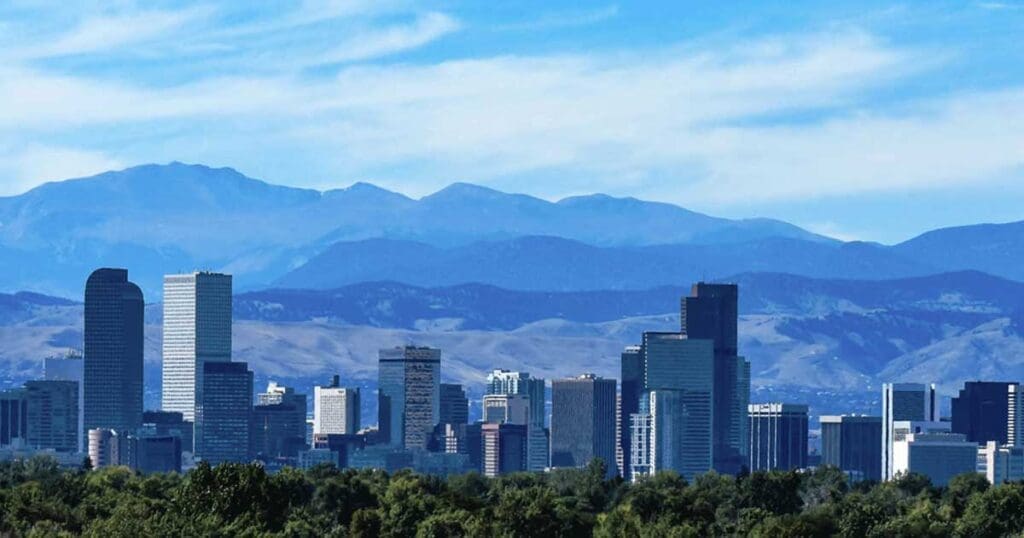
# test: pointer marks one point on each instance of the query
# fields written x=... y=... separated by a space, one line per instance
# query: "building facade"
x=711 y=312
x=583 y=421
x=1001 y=463
x=336 y=409
x=778 y=437
x=853 y=444
x=69 y=368
x=454 y=405
x=533 y=388
x=409 y=398
x=937 y=455
x=904 y=402
x=982 y=411
x=196 y=329
x=504 y=448
x=52 y=420
x=223 y=414
x=113 y=335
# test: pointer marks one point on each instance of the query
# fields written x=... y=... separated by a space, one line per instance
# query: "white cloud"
x=390 y=40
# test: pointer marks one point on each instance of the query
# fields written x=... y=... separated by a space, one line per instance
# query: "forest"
x=37 y=498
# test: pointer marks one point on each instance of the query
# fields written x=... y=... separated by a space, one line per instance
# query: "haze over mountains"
x=157 y=219
x=323 y=279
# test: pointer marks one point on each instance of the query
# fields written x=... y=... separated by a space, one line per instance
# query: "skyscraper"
x=197 y=329
x=778 y=437
x=506 y=409
x=409 y=397
x=278 y=427
x=904 y=402
x=939 y=455
x=69 y=368
x=676 y=409
x=223 y=413
x=533 y=388
x=711 y=312
x=631 y=385
x=982 y=411
x=454 y=405
x=13 y=418
x=336 y=409
x=853 y=444
x=52 y=419
x=504 y=448
x=583 y=421
x=113 y=351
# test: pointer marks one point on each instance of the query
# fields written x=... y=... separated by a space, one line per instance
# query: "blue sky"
x=868 y=120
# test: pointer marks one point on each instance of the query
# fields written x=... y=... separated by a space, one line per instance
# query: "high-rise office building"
x=504 y=448
x=466 y=439
x=223 y=413
x=778 y=436
x=151 y=453
x=454 y=405
x=630 y=386
x=409 y=397
x=676 y=408
x=336 y=409
x=904 y=402
x=711 y=312
x=583 y=421
x=506 y=409
x=938 y=455
x=69 y=368
x=13 y=418
x=196 y=329
x=521 y=383
x=853 y=444
x=52 y=420
x=112 y=371
x=277 y=431
x=982 y=411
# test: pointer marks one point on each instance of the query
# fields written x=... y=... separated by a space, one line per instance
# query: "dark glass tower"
x=583 y=421
x=112 y=382
x=223 y=413
x=778 y=437
x=711 y=312
x=632 y=386
x=982 y=411
x=454 y=405
x=853 y=444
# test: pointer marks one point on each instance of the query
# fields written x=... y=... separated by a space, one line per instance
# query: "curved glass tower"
x=112 y=377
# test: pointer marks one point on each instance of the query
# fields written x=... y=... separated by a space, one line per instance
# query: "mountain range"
x=158 y=219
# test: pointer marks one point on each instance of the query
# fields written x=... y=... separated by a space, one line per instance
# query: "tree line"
x=39 y=499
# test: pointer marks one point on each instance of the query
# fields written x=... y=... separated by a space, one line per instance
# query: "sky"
x=861 y=120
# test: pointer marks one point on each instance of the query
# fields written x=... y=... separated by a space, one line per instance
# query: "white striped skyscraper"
x=197 y=329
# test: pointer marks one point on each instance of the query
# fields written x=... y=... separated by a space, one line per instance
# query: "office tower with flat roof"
x=630 y=387
x=677 y=399
x=336 y=409
x=151 y=453
x=454 y=405
x=904 y=402
x=506 y=409
x=409 y=398
x=196 y=329
x=504 y=448
x=711 y=312
x=69 y=368
x=982 y=411
x=583 y=421
x=778 y=436
x=13 y=418
x=52 y=421
x=853 y=444
x=112 y=371
x=223 y=413
x=521 y=383
x=278 y=423
x=938 y=455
